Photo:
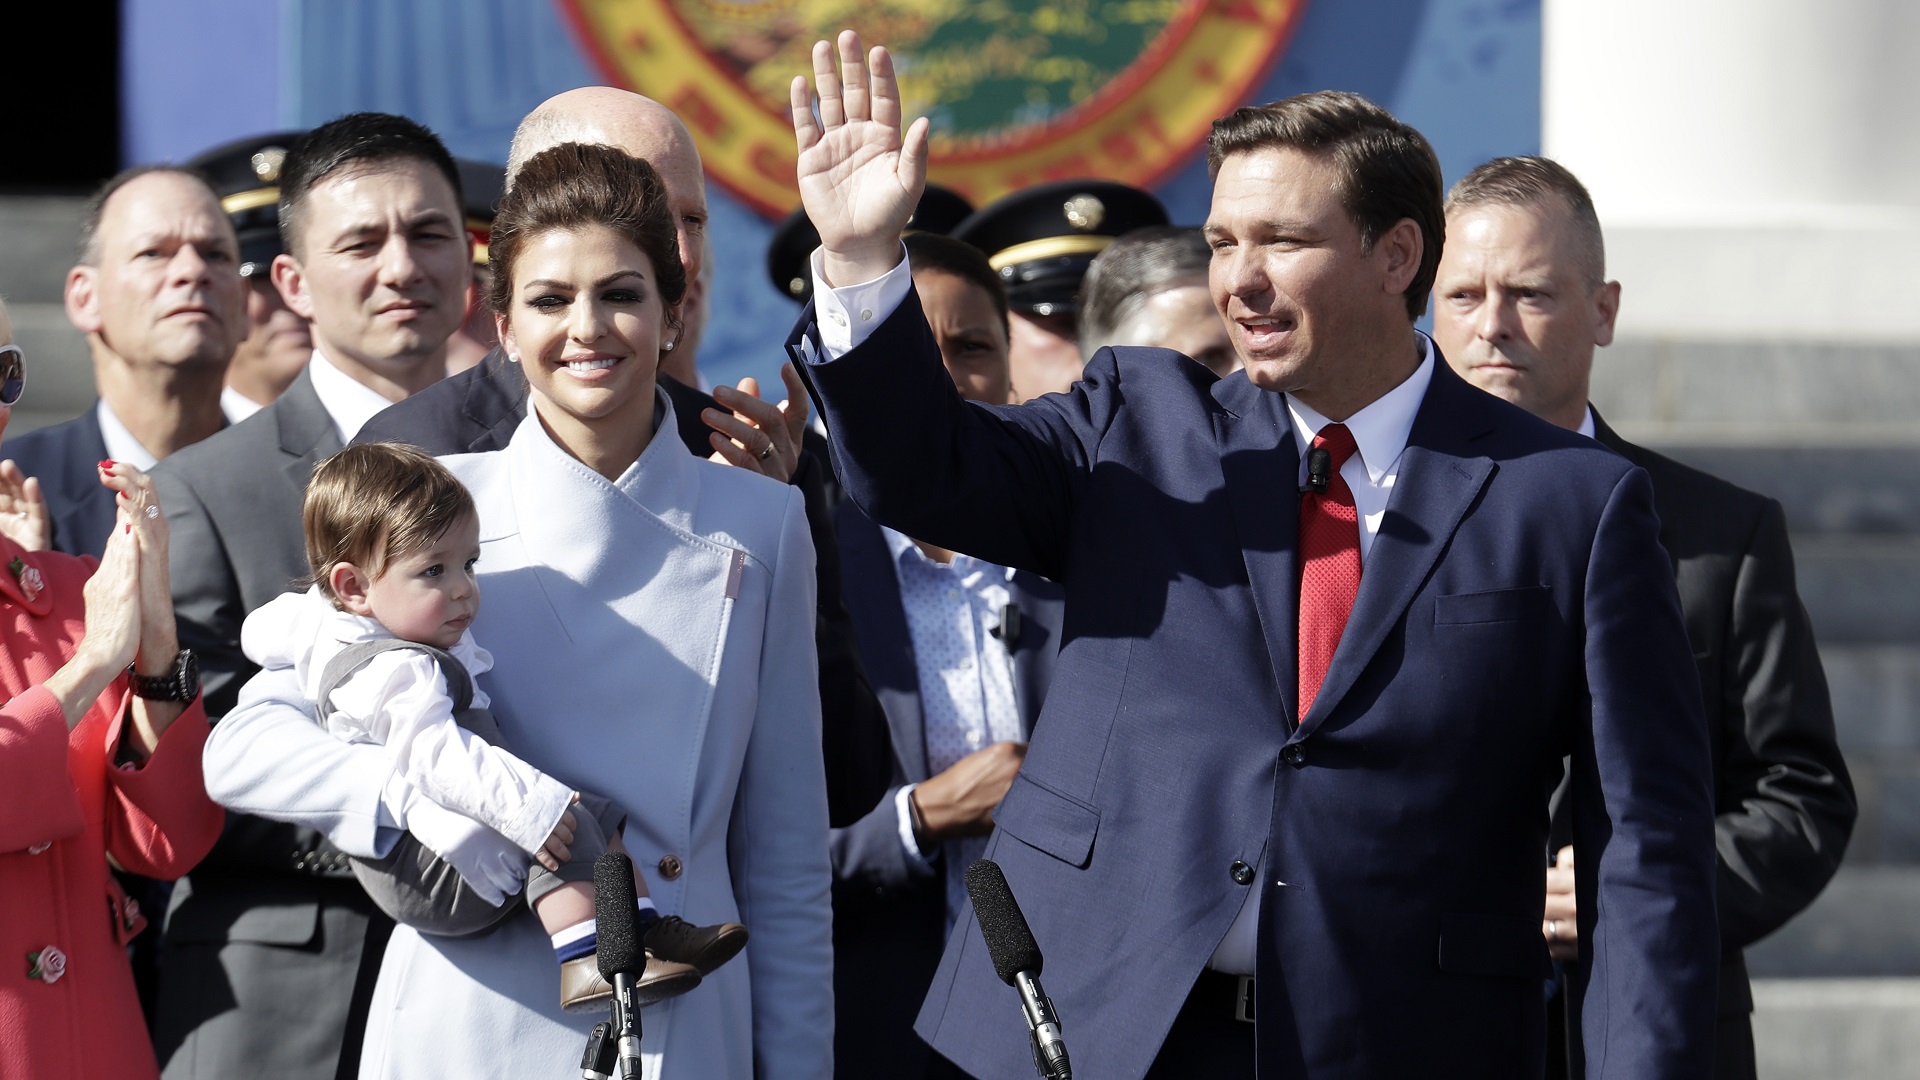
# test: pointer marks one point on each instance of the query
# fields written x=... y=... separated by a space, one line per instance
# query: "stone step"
x=1862 y=488
x=38 y=236
x=1756 y=393
x=1864 y=924
x=1876 y=696
x=1836 y=1029
x=1860 y=588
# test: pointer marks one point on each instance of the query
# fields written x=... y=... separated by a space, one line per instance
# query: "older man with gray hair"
x=157 y=292
x=1150 y=288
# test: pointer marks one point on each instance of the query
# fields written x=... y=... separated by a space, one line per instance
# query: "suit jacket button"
x=671 y=867
x=1242 y=873
x=1295 y=755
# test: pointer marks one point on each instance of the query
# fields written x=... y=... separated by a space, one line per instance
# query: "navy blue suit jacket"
x=889 y=911
x=66 y=458
x=1515 y=607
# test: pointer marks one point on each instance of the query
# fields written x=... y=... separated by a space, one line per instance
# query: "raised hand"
x=23 y=509
x=859 y=178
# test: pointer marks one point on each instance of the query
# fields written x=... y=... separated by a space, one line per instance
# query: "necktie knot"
x=1338 y=442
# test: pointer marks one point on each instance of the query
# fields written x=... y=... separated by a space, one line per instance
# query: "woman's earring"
x=668 y=347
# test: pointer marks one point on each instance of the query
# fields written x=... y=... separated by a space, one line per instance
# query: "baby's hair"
x=368 y=505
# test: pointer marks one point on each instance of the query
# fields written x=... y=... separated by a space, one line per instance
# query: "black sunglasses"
x=13 y=374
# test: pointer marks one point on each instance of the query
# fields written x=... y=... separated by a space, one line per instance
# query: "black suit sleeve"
x=854 y=731
x=1786 y=805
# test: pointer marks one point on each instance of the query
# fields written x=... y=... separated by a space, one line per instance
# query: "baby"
x=380 y=643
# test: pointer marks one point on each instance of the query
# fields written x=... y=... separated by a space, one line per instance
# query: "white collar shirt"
x=121 y=444
x=349 y=403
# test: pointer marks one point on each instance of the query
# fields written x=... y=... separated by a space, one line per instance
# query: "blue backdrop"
x=199 y=72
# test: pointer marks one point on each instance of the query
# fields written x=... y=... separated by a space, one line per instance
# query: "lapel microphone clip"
x=1319 y=471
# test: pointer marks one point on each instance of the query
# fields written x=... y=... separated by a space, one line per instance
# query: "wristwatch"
x=181 y=684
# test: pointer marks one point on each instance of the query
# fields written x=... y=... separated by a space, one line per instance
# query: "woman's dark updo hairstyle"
x=575 y=185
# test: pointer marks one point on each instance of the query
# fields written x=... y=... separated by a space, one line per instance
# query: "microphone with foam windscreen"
x=1319 y=471
x=1016 y=959
x=620 y=954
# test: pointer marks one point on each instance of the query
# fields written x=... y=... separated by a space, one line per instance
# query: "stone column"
x=1756 y=163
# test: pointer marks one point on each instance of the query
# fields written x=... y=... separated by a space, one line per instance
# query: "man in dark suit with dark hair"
x=157 y=292
x=1521 y=302
x=271 y=945
x=1332 y=624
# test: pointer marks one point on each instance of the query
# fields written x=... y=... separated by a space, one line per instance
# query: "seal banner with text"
x=1020 y=92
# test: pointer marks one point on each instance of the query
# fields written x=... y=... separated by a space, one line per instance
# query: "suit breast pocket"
x=1524 y=604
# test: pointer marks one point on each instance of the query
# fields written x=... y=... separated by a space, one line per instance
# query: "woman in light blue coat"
x=651 y=620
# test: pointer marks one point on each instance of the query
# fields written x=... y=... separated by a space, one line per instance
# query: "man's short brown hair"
x=369 y=505
x=1535 y=181
x=1387 y=171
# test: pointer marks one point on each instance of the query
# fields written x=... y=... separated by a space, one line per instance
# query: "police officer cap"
x=940 y=209
x=482 y=185
x=1041 y=239
x=245 y=174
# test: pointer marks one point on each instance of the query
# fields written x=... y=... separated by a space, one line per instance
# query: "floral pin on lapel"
x=28 y=577
x=47 y=965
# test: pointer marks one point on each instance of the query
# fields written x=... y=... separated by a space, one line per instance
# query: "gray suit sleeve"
x=868 y=855
x=1786 y=804
x=206 y=595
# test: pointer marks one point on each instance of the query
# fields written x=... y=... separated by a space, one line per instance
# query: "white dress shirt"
x=349 y=403
x=965 y=676
x=848 y=315
x=236 y=405
x=121 y=444
x=1380 y=432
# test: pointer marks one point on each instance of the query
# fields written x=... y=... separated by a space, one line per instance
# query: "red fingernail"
x=106 y=463
x=129 y=528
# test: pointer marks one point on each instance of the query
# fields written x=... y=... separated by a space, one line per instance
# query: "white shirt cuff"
x=849 y=314
x=905 y=811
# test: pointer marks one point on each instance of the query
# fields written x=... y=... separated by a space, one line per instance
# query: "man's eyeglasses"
x=13 y=374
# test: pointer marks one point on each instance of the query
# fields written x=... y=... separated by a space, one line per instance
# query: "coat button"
x=1295 y=755
x=1242 y=873
x=671 y=867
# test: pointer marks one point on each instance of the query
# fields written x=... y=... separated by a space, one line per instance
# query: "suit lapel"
x=307 y=432
x=1438 y=480
x=1262 y=470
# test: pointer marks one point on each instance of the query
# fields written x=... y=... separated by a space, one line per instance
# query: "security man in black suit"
x=1521 y=301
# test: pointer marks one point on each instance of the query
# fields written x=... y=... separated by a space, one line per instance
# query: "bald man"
x=478 y=409
x=158 y=294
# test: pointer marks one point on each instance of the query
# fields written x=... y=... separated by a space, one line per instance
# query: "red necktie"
x=1329 y=564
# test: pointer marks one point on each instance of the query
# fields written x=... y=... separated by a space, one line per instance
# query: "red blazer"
x=67 y=1005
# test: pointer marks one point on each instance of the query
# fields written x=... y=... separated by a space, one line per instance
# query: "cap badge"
x=266 y=163
x=1085 y=212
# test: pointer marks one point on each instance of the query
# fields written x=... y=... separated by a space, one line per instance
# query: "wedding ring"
x=153 y=511
x=768 y=452
x=1553 y=929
